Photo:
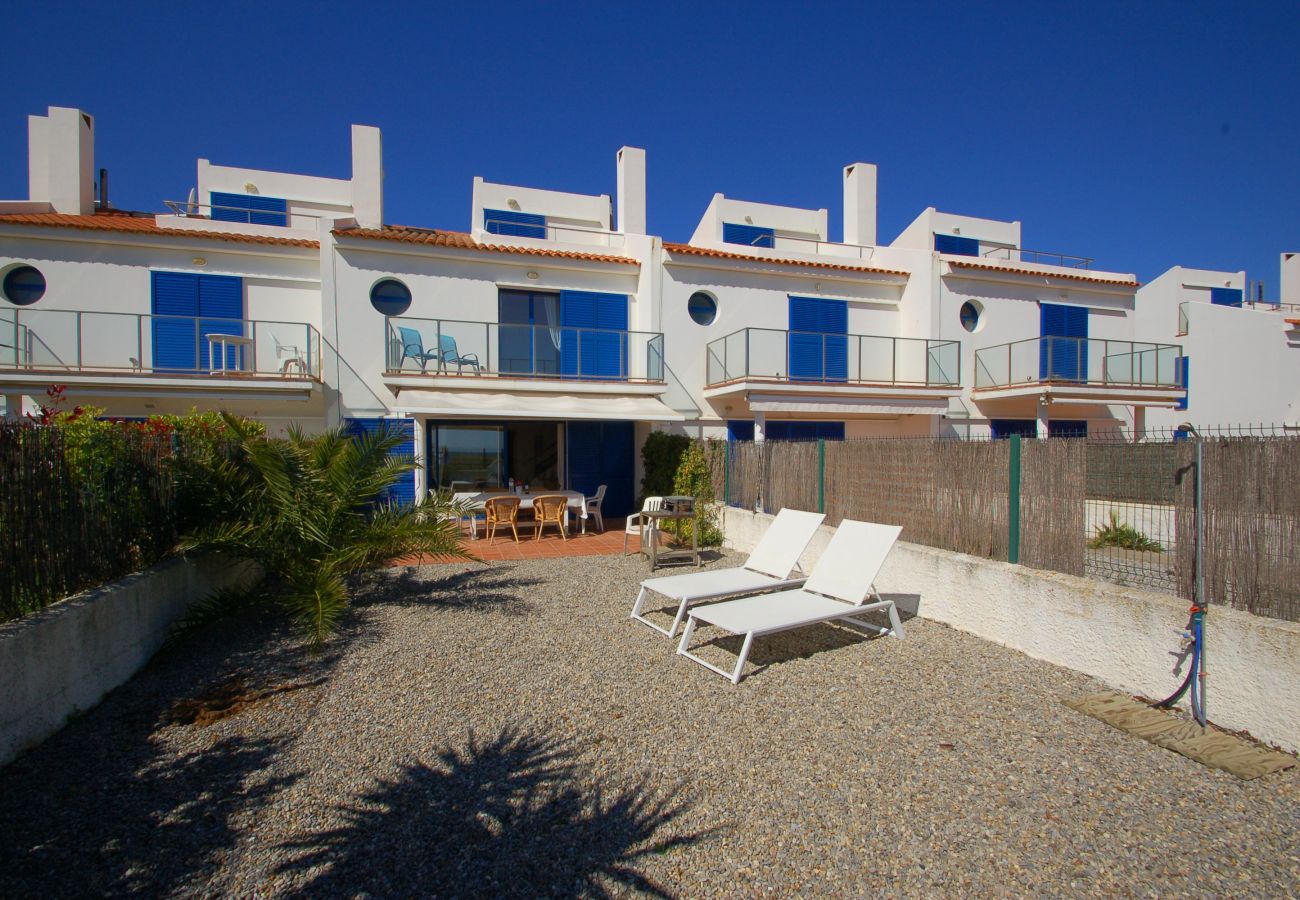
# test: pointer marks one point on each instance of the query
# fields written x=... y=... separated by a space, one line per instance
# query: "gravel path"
x=508 y=731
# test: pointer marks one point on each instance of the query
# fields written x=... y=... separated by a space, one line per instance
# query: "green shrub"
x=661 y=454
x=1125 y=536
x=694 y=478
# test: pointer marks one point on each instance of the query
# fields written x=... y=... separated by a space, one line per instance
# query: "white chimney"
x=1289 y=289
x=367 y=176
x=631 y=190
x=61 y=160
x=860 y=204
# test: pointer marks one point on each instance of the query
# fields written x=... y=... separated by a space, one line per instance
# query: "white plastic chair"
x=591 y=507
x=633 y=525
x=768 y=568
x=836 y=591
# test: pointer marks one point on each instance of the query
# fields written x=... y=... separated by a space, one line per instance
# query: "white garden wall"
x=1122 y=636
x=64 y=659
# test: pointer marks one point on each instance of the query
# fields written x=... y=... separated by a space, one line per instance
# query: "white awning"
x=848 y=406
x=487 y=405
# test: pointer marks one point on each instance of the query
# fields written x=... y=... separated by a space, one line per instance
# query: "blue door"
x=818 y=345
x=593 y=343
x=205 y=304
x=603 y=453
x=1063 y=350
x=403 y=491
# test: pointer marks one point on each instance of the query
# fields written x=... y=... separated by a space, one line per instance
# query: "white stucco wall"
x=1122 y=636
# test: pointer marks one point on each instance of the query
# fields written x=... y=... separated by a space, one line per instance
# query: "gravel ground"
x=508 y=731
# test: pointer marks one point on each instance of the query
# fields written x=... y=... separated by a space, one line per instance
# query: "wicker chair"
x=502 y=511
x=550 y=509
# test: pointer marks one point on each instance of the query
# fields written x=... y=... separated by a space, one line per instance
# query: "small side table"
x=651 y=548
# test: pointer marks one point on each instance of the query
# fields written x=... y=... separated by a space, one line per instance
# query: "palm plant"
x=308 y=510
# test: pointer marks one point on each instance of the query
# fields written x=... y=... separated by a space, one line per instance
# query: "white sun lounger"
x=836 y=591
x=768 y=568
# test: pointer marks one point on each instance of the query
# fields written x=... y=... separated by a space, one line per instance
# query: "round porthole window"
x=971 y=313
x=702 y=307
x=390 y=297
x=23 y=285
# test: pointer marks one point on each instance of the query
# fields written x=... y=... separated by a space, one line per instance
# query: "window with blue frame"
x=748 y=235
x=743 y=430
x=818 y=344
x=579 y=334
x=1069 y=428
x=956 y=245
x=1063 y=347
x=1005 y=428
x=1226 y=296
x=186 y=309
x=251 y=209
x=514 y=224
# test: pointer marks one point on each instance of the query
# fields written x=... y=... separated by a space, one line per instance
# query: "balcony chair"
x=836 y=591
x=770 y=567
x=502 y=511
x=550 y=509
x=633 y=525
x=413 y=347
x=449 y=354
x=291 y=357
x=591 y=507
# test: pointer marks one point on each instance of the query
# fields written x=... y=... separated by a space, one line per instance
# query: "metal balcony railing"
x=79 y=341
x=573 y=234
x=1089 y=361
x=794 y=356
x=454 y=347
x=1043 y=257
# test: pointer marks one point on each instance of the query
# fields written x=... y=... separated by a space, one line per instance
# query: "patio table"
x=674 y=508
x=478 y=500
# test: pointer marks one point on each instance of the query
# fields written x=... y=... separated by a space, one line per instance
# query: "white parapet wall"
x=1125 y=637
x=63 y=660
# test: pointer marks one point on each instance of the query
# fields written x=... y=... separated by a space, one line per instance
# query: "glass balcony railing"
x=1090 y=361
x=452 y=347
x=794 y=356
x=139 y=343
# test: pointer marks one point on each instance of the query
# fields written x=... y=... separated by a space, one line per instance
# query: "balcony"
x=841 y=374
x=1081 y=369
x=133 y=351
x=1039 y=257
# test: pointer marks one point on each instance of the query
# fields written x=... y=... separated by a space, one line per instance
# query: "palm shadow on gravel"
x=472 y=589
x=505 y=818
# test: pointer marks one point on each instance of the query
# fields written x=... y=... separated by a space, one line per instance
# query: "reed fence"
x=1122 y=512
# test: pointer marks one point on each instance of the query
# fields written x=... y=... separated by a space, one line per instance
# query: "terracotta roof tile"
x=1091 y=279
x=726 y=254
x=434 y=237
x=122 y=221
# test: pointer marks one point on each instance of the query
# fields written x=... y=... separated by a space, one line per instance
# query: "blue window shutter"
x=175 y=341
x=598 y=353
x=740 y=430
x=817 y=347
x=1060 y=356
x=1005 y=428
x=748 y=235
x=514 y=224
x=835 y=321
x=268 y=210
x=249 y=208
x=830 y=431
x=1226 y=296
x=1071 y=428
x=221 y=299
x=957 y=246
x=603 y=453
x=230 y=207
x=1184 y=371
x=403 y=491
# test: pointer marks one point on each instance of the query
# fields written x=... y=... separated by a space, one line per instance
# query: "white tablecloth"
x=478 y=499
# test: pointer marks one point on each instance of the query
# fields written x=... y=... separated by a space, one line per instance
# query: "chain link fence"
x=1101 y=508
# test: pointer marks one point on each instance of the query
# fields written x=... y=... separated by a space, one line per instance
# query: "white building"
x=545 y=342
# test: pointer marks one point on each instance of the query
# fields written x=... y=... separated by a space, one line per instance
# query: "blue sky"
x=1142 y=134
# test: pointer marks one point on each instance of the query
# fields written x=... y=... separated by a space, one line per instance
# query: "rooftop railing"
x=241 y=215
x=1043 y=257
x=78 y=341
x=454 y=347
x=795 y=356
x=573 y=234
x=1090 y=361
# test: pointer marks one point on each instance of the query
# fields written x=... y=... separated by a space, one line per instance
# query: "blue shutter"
x=830 y=431
x=835 y=321
x=740 y=430
x=748 y=235
x=1060 y=355
x=514 y=224
x=957 y=246
x=1071 y=428
x=1226 y=296
x=1005 y=428
x=1183 y=372
x=251 y=209
x=603 y=453
x=818 y=347
x=221 y=299
x=175 y=341
x=598 y=353
x=403 y=491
